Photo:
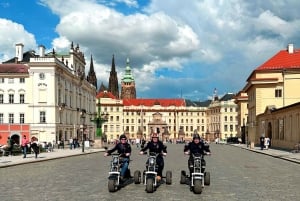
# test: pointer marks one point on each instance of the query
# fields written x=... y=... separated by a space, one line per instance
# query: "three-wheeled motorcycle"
x=114 y=174
x=198 y=178
x=149 y=178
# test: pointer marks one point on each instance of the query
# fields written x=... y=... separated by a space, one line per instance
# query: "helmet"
x=196 y=136
x=154 y=135
x=123 y=136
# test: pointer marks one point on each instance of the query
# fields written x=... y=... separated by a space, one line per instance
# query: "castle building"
x=57 y=100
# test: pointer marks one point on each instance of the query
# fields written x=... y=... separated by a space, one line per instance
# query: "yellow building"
x=241 y=100
x=275 y=83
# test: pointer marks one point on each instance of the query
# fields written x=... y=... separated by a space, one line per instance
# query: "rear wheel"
x=112 y=185
x=168 y=177
x=149 y=185
x=207 y=178
x=183 y=177
x=197 y=186
x=137 y=177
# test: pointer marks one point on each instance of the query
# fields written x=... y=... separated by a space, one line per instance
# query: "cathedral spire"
x=91 y=78
x=113 y=85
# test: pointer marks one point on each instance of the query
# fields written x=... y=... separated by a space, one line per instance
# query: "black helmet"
x=123 y=136
x=196 y=136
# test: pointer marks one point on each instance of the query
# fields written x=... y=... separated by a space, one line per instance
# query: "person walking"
x=35 y=146
x=267 y=142
x=24 y=144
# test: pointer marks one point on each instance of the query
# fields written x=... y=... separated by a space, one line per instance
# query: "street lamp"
x=99 y=120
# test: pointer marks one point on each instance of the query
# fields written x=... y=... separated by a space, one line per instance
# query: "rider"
x=197 y=146
x=156 y=146
x=124 y=150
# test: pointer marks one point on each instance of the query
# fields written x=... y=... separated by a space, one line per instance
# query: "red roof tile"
x=152 y=102
x=13 y=68
x=105 y=94
x=282 y=60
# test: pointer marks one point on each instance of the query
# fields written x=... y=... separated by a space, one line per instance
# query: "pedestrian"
x=267 y=142
x=35 y=146
x=71 y=143
x=10 y=144
x=262 y=142
x=24 y=145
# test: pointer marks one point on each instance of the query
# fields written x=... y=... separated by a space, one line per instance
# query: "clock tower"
x=128 y=84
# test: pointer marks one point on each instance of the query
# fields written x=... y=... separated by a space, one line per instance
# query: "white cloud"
x=11 y=34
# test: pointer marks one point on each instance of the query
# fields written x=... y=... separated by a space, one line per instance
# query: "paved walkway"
x=285 y=155
x=6 y=161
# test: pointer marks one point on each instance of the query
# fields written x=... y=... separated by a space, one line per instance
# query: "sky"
x=177 y=48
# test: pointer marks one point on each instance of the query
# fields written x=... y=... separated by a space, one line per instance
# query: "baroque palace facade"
x=47 y=96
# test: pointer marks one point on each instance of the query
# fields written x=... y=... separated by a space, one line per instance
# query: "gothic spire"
x=113 y=85
x=92 y=78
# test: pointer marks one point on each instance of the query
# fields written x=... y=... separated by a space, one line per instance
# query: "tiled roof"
x=151 y=102
x=105 y=94
x=13 y=68
x=282 y=60
x=227 y=97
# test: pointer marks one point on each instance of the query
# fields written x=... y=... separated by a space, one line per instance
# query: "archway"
x=15 y=138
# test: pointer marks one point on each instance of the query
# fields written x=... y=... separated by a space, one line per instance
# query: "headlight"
x=151 y=161
x=115 y=160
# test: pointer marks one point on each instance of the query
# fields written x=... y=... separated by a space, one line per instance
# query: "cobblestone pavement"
x=236 y=174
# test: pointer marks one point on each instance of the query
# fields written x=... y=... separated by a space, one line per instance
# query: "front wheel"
x=149 y=185
x=207 y=178
x=197 y=186
x=137 y=177
x=168 y=177
x=112 y=187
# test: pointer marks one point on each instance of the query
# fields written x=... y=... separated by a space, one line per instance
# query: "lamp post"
x=99 y=120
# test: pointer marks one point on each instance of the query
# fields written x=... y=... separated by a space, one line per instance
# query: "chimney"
x=290 y=48
x=19 y=51
x=42 y=50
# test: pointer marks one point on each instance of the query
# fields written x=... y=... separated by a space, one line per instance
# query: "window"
x=1 y=80
x=10 y=80
x=1 y=98
x=22 y=98
x=22 y=80
x=42 y=117
x=11 y=118
x=225 y=128
x=231 y=118
x=225 y=118
x=22 y=118
x=11 y=98
x=278 y=93
x=1 y=118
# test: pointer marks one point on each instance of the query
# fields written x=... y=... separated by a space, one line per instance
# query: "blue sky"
x=176 y=48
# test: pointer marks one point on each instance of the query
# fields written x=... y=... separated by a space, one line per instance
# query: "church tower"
x=113 y=85
x=128 y=84
x=91 y=78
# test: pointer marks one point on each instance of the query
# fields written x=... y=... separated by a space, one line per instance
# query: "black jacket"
x=158 y=147
x=122 y=149
x=196 y=148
